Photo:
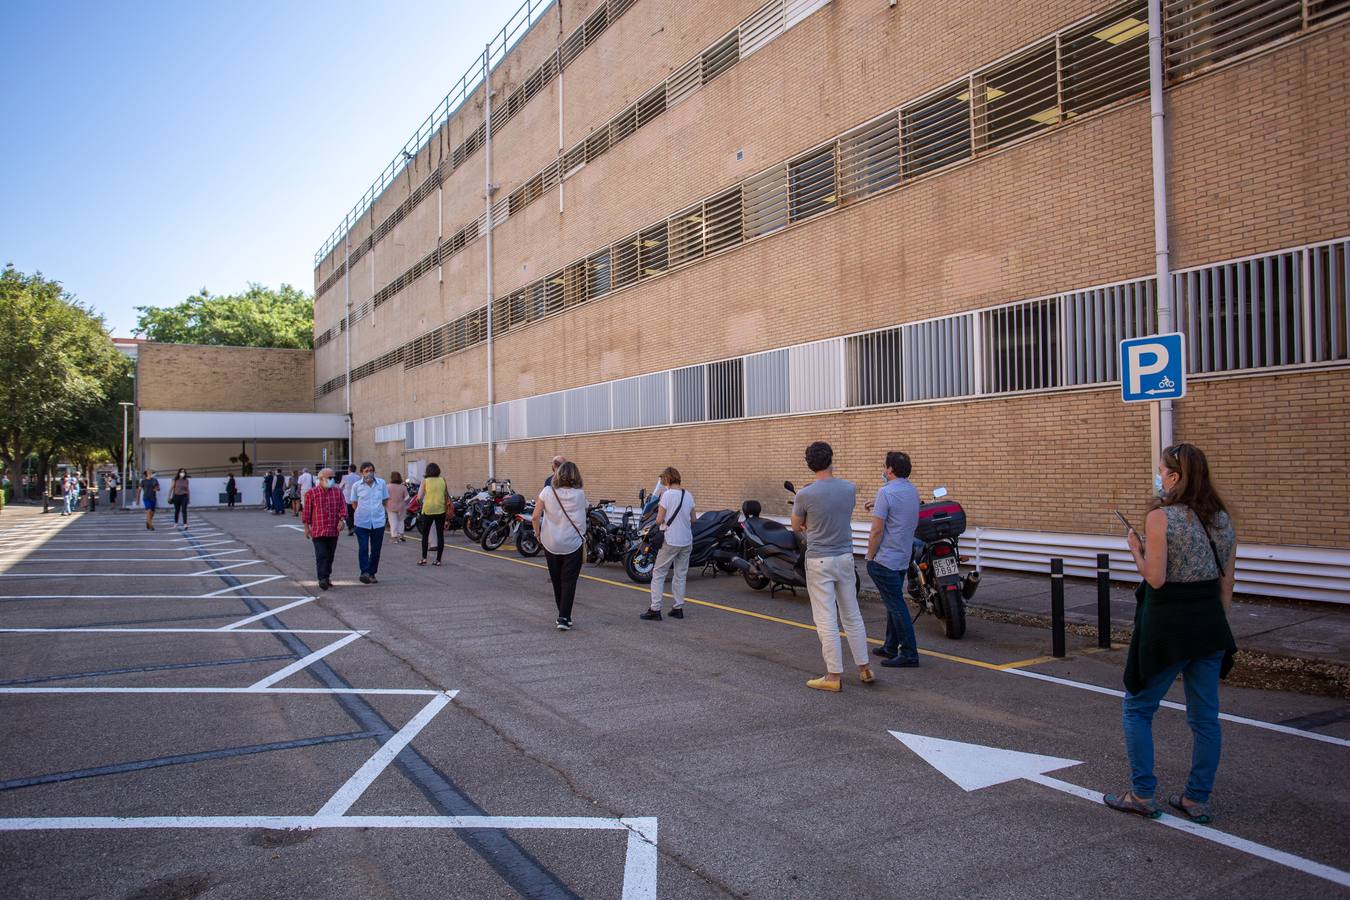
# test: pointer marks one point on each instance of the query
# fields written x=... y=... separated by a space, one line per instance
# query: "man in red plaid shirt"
x=325 y=515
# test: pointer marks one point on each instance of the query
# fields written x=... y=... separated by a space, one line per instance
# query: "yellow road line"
x=754 y=615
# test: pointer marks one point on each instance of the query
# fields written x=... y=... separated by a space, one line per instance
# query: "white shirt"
x=679 y=530
x=306 y=481
x=559 y=505
x=348 y=480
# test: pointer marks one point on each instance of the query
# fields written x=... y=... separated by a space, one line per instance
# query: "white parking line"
x=305 y=662
x=234 y=630
x=349 y=793
x=397 y=692
x=241 y=587
x=265 y=615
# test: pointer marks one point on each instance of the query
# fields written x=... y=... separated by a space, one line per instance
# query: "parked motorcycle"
x=504 y=520
x=480 y=503
x=605 y=541
x=716 y=544
x=935 y=580
x=773 y=556
x=414 y=505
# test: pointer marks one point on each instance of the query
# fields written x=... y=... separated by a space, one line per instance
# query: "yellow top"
x=433 y=499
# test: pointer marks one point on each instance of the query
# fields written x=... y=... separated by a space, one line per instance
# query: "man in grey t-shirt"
x=823 y=512
x=895 y=515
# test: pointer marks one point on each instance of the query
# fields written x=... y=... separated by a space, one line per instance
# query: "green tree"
x=58 y=371
x=259 y=317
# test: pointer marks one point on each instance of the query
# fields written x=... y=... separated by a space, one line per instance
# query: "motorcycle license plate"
x=946 y=565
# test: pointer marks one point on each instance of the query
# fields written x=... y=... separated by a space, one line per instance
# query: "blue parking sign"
x=1153 y=368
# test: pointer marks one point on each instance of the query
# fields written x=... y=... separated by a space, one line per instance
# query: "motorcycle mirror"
x=791 y=488
x=939 y=493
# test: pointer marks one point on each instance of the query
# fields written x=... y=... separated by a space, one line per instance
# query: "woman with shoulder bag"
x=674 y=540
x=561 y=508
x=1186 y=559
x=432 y=495
x=178 y=496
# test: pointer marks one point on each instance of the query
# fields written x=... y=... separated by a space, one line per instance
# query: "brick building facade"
x=720 y=231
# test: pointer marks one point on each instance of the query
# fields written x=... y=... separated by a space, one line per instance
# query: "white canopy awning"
x=170 y=425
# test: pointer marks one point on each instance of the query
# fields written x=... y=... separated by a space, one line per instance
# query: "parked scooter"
x=773 y=556
x=716 y=544
x=935 y=580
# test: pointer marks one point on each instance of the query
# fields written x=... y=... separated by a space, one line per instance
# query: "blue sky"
x=150 y=149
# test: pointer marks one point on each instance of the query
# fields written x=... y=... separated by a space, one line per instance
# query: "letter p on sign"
x=1153 y=368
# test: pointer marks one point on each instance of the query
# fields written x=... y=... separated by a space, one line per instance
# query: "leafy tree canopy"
x=259 y=317
x=58 y=370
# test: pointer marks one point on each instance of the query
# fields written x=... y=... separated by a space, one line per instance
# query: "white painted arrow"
x=972 y=766
x=296 y=527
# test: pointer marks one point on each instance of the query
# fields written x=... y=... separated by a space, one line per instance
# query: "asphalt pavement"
x=167 y=735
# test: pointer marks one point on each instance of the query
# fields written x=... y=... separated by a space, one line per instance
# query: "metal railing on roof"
x=520 y=21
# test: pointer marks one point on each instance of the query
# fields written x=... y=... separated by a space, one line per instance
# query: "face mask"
x=369 y=477
x=1158 y=486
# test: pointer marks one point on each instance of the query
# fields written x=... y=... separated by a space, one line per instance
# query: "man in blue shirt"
x=369 y=496
x=895 y=515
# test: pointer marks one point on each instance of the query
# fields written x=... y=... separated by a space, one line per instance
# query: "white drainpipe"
x=487 y=204
x=1163 y=430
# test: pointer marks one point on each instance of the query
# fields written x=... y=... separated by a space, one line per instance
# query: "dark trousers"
x=890 y=584
x=229 y=498
x=278 y=501
x=351 y=518
x=180 y=505
x=368 y=544
x=325 y=548
x=563 y=570
x=424 y=524
x=267 y=498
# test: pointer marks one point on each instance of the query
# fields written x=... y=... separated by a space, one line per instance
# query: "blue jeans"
x=1200 y=676
x=368 y=544
x=899 y=626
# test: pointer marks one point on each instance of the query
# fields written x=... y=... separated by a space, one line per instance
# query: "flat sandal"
x=1130 y=803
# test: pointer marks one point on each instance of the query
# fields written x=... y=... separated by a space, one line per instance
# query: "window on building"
x=655 y=391
x=553 y=293
x=597 y=143
x=764 y=200
x=596 y=23
x=574 y=284
x=766 y=383
x=813 y=185
x=571 y=48
x=652 y=247
x=1105 y=60
x=1021 y=347
x=652 y=105
x=1096 y=320
x=1330 y=301
x=939 y=358
x=726 y=389
x=721 y=56
x=623 y=125
x=689 y=394
x=1244 y=315
x=869 y=158
x=935 y=132
x=873 y=369
x=1199 y=33
x=683 y=82
x=1016 y=98
x=597 y=274
x=722 y=221
x=686 y=235
x=624 y=255
x=627 y=404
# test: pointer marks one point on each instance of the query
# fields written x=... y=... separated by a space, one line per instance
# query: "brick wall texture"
x=226 y=379
x=1258 y=161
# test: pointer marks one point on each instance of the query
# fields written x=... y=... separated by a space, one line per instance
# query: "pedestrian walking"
x=231 y=492
x=674 y=519
x=823 y=512
x=178 y=496
x=267 y=491
x=895 y=516
x=324 y=515
x=1186 y=559
x=294 y=493
x=559 y=518
x=306 y=485
x=113 y=485
x=370 y=497
x=432 y=494
x=278 y=493
x=348 y=482
x=398 y=505
x=148 y=493
x=68 y=493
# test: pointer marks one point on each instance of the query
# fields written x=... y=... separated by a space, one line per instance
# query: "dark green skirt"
x=1174 y=623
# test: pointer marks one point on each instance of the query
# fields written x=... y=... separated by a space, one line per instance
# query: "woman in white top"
x=675 y=518
x=561 y=508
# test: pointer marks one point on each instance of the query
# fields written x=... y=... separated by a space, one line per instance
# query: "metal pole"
x=487 y=205
x=1104 y=601
x=125 y=449
x=1161 y=242
x=347 y=330
x=1057 y=608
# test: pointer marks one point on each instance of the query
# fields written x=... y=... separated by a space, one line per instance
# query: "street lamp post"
x=126 y=461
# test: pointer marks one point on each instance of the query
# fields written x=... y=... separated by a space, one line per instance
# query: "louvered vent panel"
x=764 y=200
x=765 y=24
x=627 y=396
x=655 y=390
x=721 y=56
x=939 y=358
x=1199 y=33
x=1095 y=321
x=684 y=81
x=869 y=158
x=874 y=368
x=799 y=9
x=816 y=374
x=767 y=384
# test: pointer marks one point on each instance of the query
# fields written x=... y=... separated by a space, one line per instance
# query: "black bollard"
x=1104 y=601
x=1057 y=608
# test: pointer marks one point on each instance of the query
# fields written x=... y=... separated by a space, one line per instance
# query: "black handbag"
x=656 y=535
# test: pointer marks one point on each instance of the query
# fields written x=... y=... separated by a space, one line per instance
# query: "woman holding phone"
x=1186 y=558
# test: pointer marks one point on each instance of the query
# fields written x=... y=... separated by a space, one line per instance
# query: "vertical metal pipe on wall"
x=1161 y=245
x=487 y=206
x=347 y=331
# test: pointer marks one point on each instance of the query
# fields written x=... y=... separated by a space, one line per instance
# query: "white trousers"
x=669 y=557
x=396 y=517
x=834 y=598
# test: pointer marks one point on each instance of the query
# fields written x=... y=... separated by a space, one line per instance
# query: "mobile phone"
x=1124 y=521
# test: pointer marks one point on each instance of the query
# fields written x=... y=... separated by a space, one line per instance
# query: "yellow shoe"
x=867 y=677
x=822 y=684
